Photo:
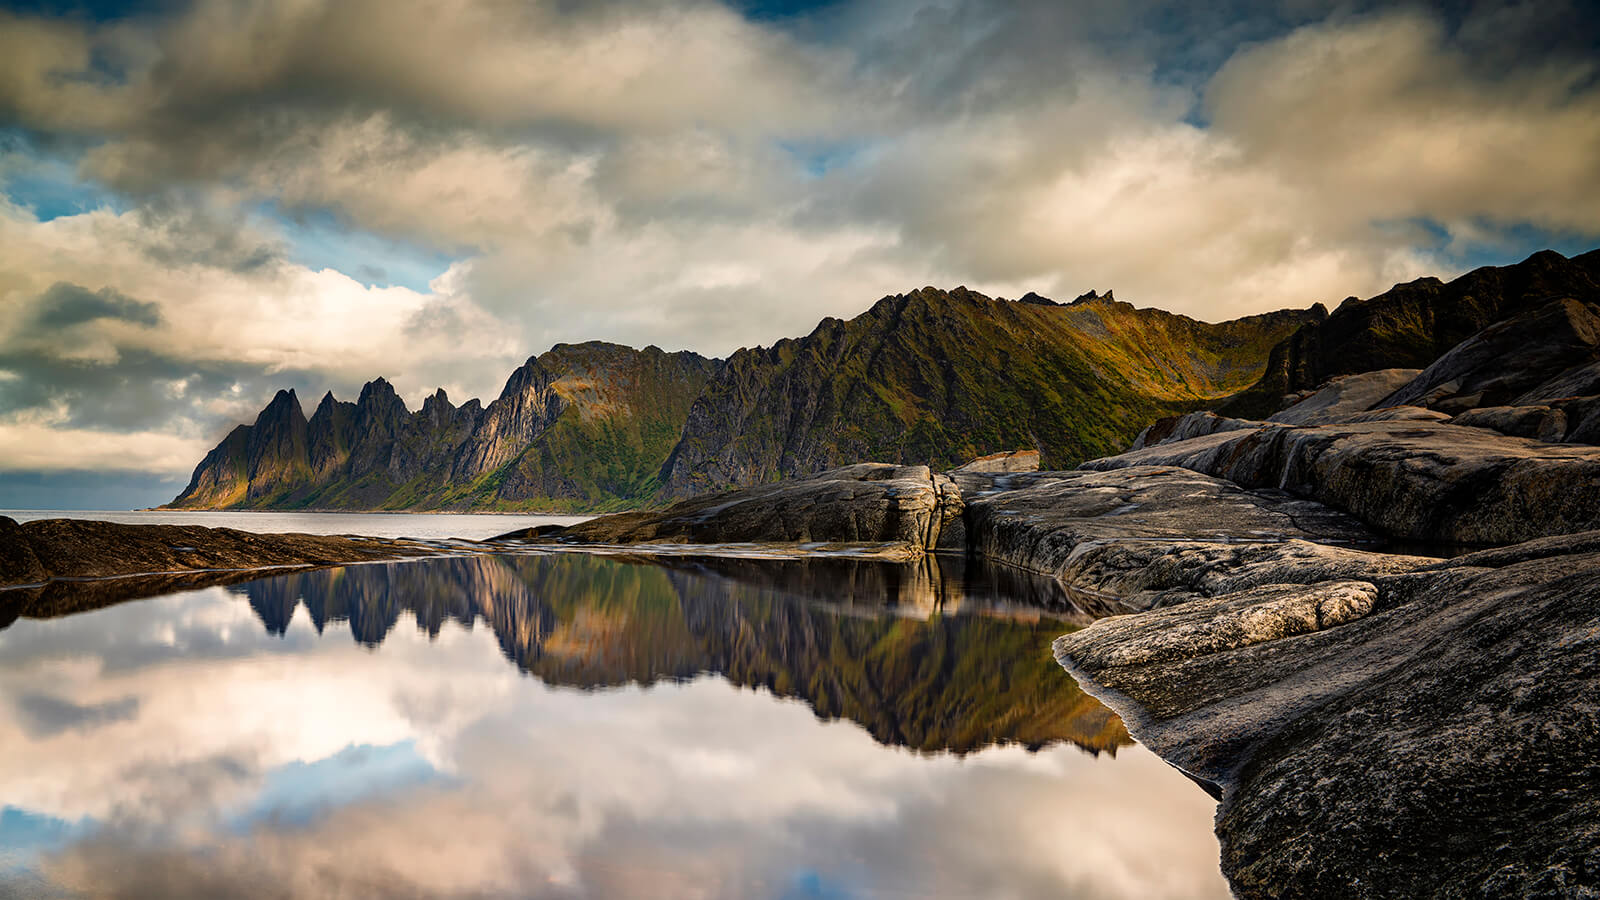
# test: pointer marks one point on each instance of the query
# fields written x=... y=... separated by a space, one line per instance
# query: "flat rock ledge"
x=55 y=566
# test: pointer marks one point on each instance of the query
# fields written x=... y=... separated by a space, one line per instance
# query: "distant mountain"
x=926 y=377
x=582 y=426
x=940 y=377
x=1412 y=325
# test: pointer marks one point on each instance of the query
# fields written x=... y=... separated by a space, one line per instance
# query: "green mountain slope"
x=943 y=376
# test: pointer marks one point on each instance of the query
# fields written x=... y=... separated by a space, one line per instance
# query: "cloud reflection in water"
x=415 y=762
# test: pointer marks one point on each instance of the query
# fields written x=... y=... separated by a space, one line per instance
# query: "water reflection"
x=926 y=658
x=203 y=745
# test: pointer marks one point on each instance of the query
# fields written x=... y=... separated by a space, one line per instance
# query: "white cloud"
x=43 y=446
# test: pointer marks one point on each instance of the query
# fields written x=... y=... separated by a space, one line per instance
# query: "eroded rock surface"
x=1408 y=478
x=1435 y=733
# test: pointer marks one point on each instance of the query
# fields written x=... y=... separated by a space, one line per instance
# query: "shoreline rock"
x=52 y=566
x=1435 y=735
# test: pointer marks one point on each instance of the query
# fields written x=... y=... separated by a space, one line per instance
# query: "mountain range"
x=929 y=377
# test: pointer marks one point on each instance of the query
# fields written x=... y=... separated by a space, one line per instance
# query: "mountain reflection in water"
x=937 y=655
x=688 y=727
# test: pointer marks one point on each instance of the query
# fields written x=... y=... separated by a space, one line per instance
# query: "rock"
x=1540 y=423
x=1578 y=381
x=1189 y=425
x=1434 y=733
x=80 y=548
x=1412 y=325
x=1013 y=461
x=1507 y=359
x=1153 y=536
x=865 y=503
x=1410 y=480
x=1344 y=396
x=63 y=560
x=18 y=563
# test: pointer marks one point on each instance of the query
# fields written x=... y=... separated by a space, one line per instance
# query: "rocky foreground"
x=1379 y=712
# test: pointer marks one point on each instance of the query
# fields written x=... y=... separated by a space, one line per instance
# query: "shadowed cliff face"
x=1413 y=324
x=929 y=657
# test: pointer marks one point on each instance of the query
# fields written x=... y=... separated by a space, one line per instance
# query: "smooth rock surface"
x=1156 y=536
x=1014 y=461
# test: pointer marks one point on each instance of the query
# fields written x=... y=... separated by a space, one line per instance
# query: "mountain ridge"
x=927 y=377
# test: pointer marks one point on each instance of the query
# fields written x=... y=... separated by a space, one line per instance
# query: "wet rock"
x=1434 y=733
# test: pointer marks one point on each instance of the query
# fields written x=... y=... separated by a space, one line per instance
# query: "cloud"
x=684 y=174
x=1383 y=118
x=42 y=715
x=63 y=305
x=136 y=339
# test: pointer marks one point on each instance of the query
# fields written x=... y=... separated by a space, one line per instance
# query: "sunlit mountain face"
x=573 y=725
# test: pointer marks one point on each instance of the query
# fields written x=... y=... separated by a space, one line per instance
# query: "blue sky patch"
x=298 y=794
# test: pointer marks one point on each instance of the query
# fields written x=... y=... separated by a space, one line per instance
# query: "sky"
x=202 y=201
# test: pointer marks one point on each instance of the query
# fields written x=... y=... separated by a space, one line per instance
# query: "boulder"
x=1540 y=423
x=1013 y=461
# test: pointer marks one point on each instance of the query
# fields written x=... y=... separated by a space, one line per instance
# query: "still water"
x=568 y=725
x=425 y=526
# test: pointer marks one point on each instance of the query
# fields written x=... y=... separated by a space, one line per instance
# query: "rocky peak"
x=1036 y=300
x=436 y=403
x=284 y=407
x=326 y=406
